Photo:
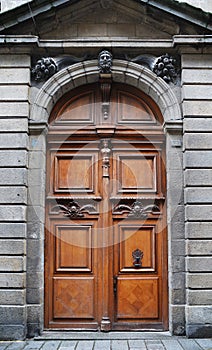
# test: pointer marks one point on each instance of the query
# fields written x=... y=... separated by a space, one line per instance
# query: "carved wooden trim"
x=73 y=210
x=106 y=84
x=136 y=210
x=105 y=151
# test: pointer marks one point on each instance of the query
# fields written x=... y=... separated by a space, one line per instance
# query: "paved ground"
x=172 y=343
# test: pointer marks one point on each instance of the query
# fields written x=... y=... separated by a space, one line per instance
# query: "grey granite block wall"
x=197 y=110
x=14 y=87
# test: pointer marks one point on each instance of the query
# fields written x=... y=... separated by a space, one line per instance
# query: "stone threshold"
x=95 y=335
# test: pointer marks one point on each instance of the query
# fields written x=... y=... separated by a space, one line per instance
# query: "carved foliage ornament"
x=136 y=210
x=44 y=69
x=165 y=67
x=73 y=210
x=105 y=61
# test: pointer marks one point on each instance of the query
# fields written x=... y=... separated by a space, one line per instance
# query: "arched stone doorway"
x=134 y=76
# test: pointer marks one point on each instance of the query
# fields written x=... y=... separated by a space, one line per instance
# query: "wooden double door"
x=105 y=243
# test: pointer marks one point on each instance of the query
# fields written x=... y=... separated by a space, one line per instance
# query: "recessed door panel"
x=137 y=298
x=135 y=172
x=132 y=110
x=73 y=245
x=75 y=173
x=133 y=238
x=73 y=297
x=78 y=109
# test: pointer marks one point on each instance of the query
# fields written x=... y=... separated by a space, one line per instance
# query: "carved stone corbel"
x=105 y=60
x=165 y=68
x=44 y=69
x=106 y=90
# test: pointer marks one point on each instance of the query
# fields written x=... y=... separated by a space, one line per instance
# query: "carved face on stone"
x=105 y=61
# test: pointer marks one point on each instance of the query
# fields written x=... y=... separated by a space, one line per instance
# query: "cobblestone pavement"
x=171 y=343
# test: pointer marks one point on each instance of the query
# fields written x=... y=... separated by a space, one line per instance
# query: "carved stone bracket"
x=105 y=151
x=106 y=84
x=136 y=210
x=137 y=258
x=105 y=61
x=44 y=69
x=73 y=210
x=165 y=67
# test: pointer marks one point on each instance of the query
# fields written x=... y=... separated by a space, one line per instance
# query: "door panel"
x=75 y=172
x=132 y=110
x=138 y=231
x=74 y=297
x=133 y=237
x=137 y=298
x=105 y=243
x=136 y=171
x=73 y=274
x=73 y=216
x=73 y=245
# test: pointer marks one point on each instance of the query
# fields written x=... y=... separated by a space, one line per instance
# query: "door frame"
x=145 y=80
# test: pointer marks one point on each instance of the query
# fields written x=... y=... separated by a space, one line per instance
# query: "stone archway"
x=87 y=72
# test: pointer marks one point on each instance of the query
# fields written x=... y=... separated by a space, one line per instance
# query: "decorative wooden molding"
x=105 y=151
x=106 y=84
x=73 y=210
x=136 y=210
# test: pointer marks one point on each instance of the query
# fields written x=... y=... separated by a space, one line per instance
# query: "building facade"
x=106 y=157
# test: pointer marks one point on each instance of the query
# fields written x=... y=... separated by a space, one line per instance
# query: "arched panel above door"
x=127 y=107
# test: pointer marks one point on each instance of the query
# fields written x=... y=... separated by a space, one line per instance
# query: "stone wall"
x=197 y=110
x=14 y=112
x=22 y=209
